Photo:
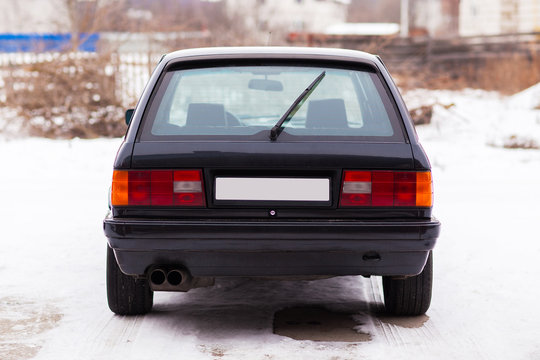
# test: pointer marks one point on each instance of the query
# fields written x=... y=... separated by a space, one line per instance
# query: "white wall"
x=428 y=14
x=479 y=17
x=490 y=17
x=529 y=14
x=33 y=16
x=289 y=15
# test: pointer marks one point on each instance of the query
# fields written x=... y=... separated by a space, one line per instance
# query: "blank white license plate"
x=272 y=189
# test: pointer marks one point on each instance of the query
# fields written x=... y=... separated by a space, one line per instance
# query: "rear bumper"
x=273 y=248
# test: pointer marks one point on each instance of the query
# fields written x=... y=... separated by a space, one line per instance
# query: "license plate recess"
x=313 y=191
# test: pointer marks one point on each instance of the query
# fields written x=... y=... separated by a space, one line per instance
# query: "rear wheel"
x=409 y=296
x=126 y=294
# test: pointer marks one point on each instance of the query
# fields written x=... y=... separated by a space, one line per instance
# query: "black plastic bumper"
x=273 y=248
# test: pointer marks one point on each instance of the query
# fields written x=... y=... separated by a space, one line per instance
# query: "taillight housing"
x=386 y=189
x=157 y=188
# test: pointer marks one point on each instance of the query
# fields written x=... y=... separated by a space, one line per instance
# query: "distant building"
x=436 y=18
x=492 y=17
x=451 y=18
x=33 y=16
x=286 y=16
x=379 y=11
x=363 y=29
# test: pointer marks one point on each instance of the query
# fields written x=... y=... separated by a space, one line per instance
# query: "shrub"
x=69 y=95
x=520 y=142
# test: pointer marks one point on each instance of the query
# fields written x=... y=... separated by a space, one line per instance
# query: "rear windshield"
x=245 y=102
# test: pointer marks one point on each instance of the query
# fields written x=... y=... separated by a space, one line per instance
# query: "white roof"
x=285 y=51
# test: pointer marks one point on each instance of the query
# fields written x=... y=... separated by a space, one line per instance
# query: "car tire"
x=410 y=296
x=126 y=294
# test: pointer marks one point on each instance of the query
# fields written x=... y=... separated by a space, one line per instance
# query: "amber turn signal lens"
x=119 y=190
x=424 y=189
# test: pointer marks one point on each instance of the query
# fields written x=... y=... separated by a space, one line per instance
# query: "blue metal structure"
x=10 y=43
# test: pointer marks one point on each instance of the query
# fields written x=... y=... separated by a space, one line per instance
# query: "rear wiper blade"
x=278 y=128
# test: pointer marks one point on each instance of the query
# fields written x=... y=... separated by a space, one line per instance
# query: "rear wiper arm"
x=278 y=128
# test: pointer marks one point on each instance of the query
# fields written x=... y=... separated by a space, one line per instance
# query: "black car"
x=269 y=162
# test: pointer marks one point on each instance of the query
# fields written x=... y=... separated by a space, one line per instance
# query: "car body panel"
x=254 y=248
x=300 y=238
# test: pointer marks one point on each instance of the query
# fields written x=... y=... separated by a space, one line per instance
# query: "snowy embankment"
x=485 y=303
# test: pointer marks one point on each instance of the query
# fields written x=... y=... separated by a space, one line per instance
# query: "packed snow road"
x=485 y=303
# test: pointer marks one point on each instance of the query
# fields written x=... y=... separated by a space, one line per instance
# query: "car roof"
x=271 y=51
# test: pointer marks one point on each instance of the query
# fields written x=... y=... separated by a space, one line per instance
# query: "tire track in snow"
x=108 y=333
x=376 y=306
x=414 y=336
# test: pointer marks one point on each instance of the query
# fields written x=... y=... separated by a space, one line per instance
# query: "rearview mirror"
x=265 y=84
x=129 y=115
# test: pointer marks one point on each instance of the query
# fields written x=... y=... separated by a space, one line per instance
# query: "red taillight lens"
x=383 y=188
x=161 y=185
x=386 y=188
x=404 y=189
x=158 y=188
x=139 y=187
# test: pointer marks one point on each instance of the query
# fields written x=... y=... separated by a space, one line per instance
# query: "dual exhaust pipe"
x=173 y=277
x=176 y=279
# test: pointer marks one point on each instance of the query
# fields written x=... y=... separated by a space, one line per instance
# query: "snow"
x=485 y=301
x=527 y=99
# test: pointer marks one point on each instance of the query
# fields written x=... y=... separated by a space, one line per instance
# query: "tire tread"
x=410 y=296
x=126 y=295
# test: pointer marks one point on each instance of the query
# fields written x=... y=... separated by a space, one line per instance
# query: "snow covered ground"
x=486 y=295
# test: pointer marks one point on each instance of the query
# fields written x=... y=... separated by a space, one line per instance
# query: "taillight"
x=157 y=188
x=188 y=188
x=386 y=188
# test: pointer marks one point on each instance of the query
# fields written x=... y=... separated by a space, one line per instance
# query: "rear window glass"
x=245 y=102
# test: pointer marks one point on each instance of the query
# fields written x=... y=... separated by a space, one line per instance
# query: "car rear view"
x=269 y=162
